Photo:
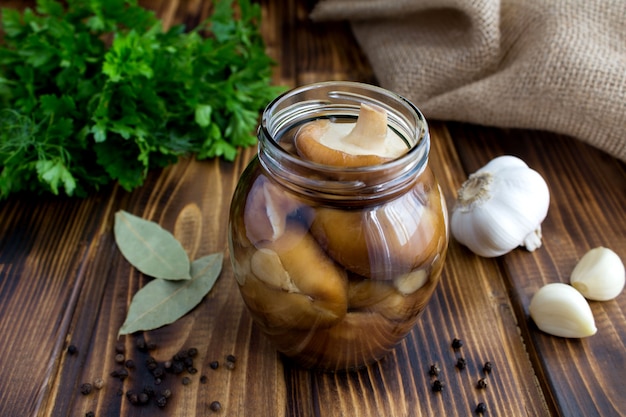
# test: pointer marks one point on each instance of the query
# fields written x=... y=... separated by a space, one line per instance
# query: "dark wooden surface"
x=63 y=281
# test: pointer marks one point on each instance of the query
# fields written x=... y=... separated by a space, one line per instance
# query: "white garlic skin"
x=560 y=310
x=599 y=275
x=500 y=207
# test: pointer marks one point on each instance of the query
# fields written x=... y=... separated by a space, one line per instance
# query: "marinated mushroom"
x=294 y=284
x=268 y=208
x=369 y=141
x=375 y=244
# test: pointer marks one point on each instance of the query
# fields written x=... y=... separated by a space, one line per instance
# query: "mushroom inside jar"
x=368 y=141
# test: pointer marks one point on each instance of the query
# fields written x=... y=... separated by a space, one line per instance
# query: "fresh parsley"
x=97 y=91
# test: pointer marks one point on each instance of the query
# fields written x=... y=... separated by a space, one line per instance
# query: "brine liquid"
x=335 y=288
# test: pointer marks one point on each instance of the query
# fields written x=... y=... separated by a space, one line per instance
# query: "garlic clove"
x=560 y=310
x=367 y=142
x=599 y=275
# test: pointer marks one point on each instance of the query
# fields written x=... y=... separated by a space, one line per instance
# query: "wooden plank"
x=588 y=196
x=43 y=243
x=63 y=281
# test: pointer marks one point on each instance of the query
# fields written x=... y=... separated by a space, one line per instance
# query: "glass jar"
x=335 y=264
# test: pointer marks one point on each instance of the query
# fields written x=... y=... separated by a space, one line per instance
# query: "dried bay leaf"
x=162 y=302
x=150 y=248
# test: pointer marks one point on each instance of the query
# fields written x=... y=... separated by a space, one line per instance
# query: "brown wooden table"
x=63 y=281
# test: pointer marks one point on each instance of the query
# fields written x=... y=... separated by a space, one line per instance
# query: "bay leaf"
x=150 y=248
x=161 y=302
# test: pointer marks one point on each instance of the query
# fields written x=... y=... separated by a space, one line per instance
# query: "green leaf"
x=55 y=173
x=161 y=302
x=121 y=162
x=50 y=7
x=203 y=115
x=12 y=22
x=150 y=248
x=99 y=131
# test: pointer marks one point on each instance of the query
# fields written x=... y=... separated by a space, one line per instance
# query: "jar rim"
x=274 y=119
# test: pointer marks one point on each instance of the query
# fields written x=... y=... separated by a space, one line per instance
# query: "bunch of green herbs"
x=95 y=91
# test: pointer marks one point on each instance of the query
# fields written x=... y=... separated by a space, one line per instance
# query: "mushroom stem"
x=370 y=129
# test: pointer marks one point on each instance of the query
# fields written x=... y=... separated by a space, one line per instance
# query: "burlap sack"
x=557 y=65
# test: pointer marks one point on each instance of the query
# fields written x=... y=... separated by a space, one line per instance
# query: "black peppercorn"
x=72 y=350
x=166 y=393
x=90 y=414
x=192 y=352
x=204 y=379
x=120 y=348
x=85 y=388
x=161 y=401
x=122 y=374
x=148 y=389
x=130 y=364
x=141 y=345
x=481 y=408
x=481 y=384
x=192 y=370
x=457 y=343
x=214 y=365
x=181 y=355
x=434 y=369
x=186 y=380
x=231 y=358
x=215 y=406
x=438 y=386
x=158 y=372
x=487 y=367
x=460 y=363
x=143 y=398
x=151 y=363
x=132 y=396
x=178 y=367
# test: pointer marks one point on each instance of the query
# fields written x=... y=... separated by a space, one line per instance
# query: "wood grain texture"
x=588 y=196
x=63 y=281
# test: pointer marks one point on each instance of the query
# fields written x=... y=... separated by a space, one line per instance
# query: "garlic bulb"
x=558 y=309
x=599 y=275
x=500 y=207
